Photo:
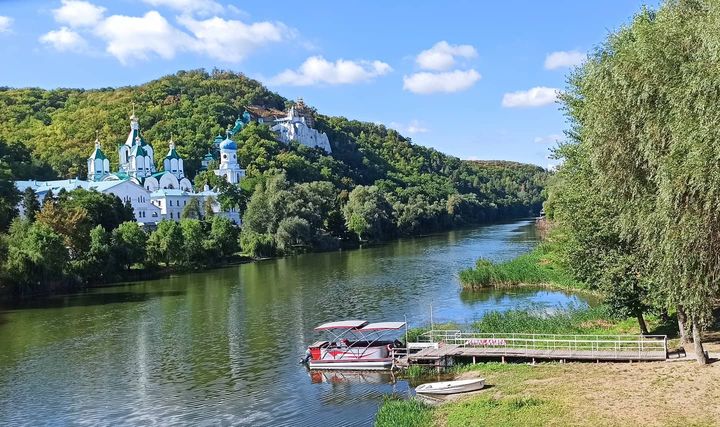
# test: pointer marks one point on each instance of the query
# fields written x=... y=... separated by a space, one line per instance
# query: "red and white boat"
x=354 y=344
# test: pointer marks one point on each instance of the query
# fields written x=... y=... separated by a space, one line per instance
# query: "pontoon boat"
x=354 y=344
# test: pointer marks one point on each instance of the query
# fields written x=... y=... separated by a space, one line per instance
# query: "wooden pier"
x=442 y=348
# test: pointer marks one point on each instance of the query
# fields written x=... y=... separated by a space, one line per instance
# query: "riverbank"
x=588 y=394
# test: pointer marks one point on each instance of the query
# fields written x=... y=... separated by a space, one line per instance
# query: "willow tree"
x=645 y=107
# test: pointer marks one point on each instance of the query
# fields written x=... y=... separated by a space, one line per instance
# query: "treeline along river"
x=223 y=346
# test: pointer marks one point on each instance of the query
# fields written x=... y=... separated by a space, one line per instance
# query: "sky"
x=474 y=79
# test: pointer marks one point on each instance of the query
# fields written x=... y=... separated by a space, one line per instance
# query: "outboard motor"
x=307 y=357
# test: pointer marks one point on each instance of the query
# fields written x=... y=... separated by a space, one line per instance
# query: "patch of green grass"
x=396 y=412
x=490 y=367
x=572 y=320
x=541 y=266
x=491 y=411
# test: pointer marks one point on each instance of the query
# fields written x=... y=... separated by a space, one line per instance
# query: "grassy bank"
x=588 y=394
x=407 y=413
x=541 y=266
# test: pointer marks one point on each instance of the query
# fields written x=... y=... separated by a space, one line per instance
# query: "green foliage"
x=129 y=244
x=9 y=198
x=636 y=197
x=223 y=239
x=30 y=203
x=166 y=243
x=192 y=209
x=293 y=235
x=541 y=266
x=368 y=214
x=572 y=320
x=375 y=185
x=259 y=245
x=36 y=254
x=407 y=413
x=98 y=262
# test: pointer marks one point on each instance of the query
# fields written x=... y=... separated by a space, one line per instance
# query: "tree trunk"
x=682 y=325
x=664 y=315
x=641 y=322
x=699 y=351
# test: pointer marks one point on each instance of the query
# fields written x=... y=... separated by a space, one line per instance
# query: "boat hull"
x=451 y=387
x=355 y=365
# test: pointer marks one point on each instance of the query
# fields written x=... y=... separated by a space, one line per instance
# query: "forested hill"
x=56 y=129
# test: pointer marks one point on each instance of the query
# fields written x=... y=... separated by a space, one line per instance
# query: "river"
x=222 y=347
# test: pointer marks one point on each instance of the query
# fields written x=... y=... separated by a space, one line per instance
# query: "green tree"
x=30 y=203
x=129 y=242
x=166 y=243
x=98 y=262
x=192 y=209
x=192 y=238
x=223 y=237
x=208 y=207
x=368 y=214
x=639 y=115
x=293 y=235
x=9 y=199
x=36 y=255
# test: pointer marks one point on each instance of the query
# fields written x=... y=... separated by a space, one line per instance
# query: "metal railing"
x=619 y=346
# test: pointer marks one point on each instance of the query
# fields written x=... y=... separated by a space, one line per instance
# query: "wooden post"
x=473 y=360
x=502 y=358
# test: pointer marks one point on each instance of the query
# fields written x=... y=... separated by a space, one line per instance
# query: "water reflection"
x=222 y=347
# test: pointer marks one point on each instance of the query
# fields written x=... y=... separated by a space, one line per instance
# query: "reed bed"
x=541 y=266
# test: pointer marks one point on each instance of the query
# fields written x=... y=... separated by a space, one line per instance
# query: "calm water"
x=222 y=347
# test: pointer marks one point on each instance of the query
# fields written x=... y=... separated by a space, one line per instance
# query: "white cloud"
x=451 y=81
x=64 y=40
x=535 y=97
x=413 y=127
x=442 y=56
x=130 y=38
x=563 y=59
x=5 y=24
x=317 y=70
x=233 y=40
x=78 y=13
x=189 y=6
x=549 y=139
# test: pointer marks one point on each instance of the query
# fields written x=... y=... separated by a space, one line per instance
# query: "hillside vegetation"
x=376 y=184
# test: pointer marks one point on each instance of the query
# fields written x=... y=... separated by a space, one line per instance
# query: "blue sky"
x=472 y=79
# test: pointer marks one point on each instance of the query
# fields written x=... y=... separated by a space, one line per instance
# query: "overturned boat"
x=354 y=345
x=451 y=387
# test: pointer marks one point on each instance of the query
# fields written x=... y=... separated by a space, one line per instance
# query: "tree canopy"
x=639 y=190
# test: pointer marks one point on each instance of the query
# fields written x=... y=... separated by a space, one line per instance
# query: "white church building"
x=154 y=195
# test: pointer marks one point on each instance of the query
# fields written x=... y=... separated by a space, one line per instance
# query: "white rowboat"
x=451 y=387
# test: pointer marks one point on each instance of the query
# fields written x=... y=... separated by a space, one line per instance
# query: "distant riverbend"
x=222 y=346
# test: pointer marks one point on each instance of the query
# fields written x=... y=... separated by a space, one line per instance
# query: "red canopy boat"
x=354 y=344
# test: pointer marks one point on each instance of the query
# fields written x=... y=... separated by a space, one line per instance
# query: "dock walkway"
x=440 y=348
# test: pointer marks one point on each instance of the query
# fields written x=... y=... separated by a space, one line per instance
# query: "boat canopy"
x=343 y=324
x=383 y=326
